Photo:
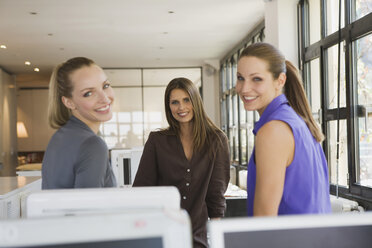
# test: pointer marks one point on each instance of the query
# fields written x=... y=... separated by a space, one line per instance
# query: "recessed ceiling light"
x=27 y=63
x=3 y=46
x=170 y=12
x=36 y=69
x=33 y=13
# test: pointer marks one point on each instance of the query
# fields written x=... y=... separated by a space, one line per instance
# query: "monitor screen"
x=82 y=201
x=163 y=229
x=131 y=243
x=125 y=164
x=305 y=231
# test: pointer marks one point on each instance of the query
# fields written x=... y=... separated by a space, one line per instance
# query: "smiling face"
x=92 y=96
x=181 y=106
x=256 y=85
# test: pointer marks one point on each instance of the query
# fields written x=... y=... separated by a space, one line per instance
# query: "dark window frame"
x=352 y=31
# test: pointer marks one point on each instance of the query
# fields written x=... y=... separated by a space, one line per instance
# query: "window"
x=235 y=120
x=139 y=103
x=340 y=88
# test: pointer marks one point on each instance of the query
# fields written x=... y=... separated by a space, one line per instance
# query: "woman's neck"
x=94 y=126
x=186 y=129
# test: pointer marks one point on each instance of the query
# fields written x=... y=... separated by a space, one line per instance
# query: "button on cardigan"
x=202 y=181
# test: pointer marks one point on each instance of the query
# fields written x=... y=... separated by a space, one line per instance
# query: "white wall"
x=281 y=27
x=32 y=110
x=211 y=90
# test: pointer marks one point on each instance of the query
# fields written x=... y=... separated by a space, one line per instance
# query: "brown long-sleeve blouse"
x=202 y=181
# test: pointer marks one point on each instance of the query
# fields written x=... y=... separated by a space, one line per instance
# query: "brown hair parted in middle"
x=205 y=132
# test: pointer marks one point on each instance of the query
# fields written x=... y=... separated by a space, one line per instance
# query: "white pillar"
x=211 y=90
x=281 y=27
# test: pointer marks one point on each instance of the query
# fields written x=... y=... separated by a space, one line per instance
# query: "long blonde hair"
x=293 y=88
x=205 y=132
x=61 y=85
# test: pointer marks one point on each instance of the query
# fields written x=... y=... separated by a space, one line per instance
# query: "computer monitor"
x=125 y=164
x=305 y=231
x=82 y=201
x=162 y=229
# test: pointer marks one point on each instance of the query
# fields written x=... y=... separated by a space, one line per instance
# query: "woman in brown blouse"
x=191 y=154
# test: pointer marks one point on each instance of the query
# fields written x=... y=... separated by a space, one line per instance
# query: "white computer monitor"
x=162 y=229
x=305 y=231
x=125 y=164
x=84 y=201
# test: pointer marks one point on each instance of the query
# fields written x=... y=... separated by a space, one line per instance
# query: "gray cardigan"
x=76 y=158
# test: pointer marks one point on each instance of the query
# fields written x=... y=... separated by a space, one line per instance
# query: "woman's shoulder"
x=94 y=144
x=218 y=134
x=218 y=138
x=162 y=133
x=160 y=137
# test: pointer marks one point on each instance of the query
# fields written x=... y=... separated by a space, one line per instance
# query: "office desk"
x=11 y=191
x=236 y=201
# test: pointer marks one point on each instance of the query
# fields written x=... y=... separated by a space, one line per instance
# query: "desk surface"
x=8 y=184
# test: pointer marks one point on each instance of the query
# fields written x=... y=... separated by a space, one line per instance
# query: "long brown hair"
x=205 y=132
x=61 y=85
x=293 y=88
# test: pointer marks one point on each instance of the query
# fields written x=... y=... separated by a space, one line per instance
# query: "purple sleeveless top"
x=306 y=185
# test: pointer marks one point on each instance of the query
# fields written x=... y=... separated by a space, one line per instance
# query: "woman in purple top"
x=287 y=172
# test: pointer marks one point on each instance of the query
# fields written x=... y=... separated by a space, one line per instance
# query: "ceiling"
x=122 y=33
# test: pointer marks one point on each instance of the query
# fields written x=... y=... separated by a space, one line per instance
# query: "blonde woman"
x=80 y=99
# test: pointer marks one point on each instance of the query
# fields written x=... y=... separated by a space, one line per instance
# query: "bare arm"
x=274 y=152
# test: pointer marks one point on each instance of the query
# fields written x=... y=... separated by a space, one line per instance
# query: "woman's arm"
x=219 y=181
x=274 y=150
x=91 y=165
x=147 y=174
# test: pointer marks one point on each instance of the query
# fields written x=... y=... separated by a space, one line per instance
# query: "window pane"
x=231 y=112
x=363 y=48
x=231 y=140
x=315 y=96
x=250 y=126
x=127 y=104
x=243 y=112
x=111 y=142
x=124 y=77
x=223 y=115
x=223 y=77
x=332 y=57
x=228 y=76
x=342 y=165
x=153 y=100
x=333 y=15
x=236 y=144
x=111 y=129
x=124 y=117
x=314 y=21
x=235 y=99
x=164 y=76
x=244 y=148
x=362 y=8
x=234 y=69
